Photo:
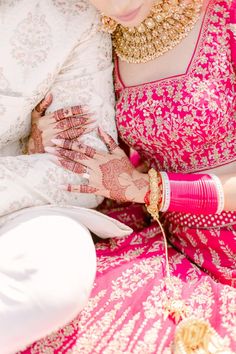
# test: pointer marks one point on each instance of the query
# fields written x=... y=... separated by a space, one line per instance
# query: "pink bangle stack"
x=192 y=193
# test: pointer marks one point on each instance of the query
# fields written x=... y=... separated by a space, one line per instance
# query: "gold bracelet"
x=153 y=207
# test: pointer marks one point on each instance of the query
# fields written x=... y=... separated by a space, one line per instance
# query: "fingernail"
x=85 y=175
x=57 y=141
x=48 y=96
x=54 y=159
x=50 y=149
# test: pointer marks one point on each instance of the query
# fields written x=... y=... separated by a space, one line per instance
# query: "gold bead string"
x=174 y=306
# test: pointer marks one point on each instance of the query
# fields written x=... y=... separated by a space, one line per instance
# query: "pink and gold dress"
x=185 y=123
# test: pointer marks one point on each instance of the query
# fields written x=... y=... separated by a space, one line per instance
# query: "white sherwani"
x=47 y=259
x=48 y=45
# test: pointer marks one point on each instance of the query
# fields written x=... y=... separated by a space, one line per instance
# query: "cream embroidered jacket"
x=48 y=45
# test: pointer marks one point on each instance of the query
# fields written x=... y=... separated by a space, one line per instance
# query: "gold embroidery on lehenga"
x=228 y=310
x=149 y=342
x=101 y=328
x=114 y=343
x=135 y=277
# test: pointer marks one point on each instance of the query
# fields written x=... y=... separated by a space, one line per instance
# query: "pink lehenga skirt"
x=126 y=313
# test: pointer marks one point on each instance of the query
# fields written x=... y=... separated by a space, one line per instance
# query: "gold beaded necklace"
x=168 y=23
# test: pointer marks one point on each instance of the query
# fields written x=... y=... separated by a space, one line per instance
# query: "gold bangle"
x=153 y=207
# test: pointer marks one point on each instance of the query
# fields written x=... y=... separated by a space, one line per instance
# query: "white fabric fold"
x=98 y=223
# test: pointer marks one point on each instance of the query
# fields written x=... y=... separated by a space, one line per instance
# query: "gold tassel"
x=196 y=336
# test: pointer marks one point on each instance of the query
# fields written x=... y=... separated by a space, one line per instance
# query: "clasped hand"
x=108 y=174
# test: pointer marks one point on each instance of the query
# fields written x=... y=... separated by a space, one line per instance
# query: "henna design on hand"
x=141 y=183
x=41 y=110
x=72 y=133
x=36 y=137
x=82 y=188
x=63 y=113
x=43 y=105
x=79 y=110
x=90 y=152
x=66 y=144
x=73 y=145
x=88 y=189
x=71 y=122
x=111 y=144
x=72 y=155
x=108 y=140
x=111 y=172
x=73 y=166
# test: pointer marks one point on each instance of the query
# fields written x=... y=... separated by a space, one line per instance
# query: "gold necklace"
x=168 y=23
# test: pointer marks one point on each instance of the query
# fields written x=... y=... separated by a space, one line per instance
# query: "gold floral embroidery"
x=96 y=331
x=232 y=27
x=228 y=310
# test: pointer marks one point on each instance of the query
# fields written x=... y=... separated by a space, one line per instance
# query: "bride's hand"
x=109 y=175
x=67 y=123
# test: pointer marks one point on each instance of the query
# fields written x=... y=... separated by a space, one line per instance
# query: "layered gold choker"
x=169 y=22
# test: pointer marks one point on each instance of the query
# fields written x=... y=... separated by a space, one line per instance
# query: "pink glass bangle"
x=166 y=192
x=192 y=193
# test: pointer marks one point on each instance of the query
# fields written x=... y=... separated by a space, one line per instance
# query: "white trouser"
x=47 y=269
